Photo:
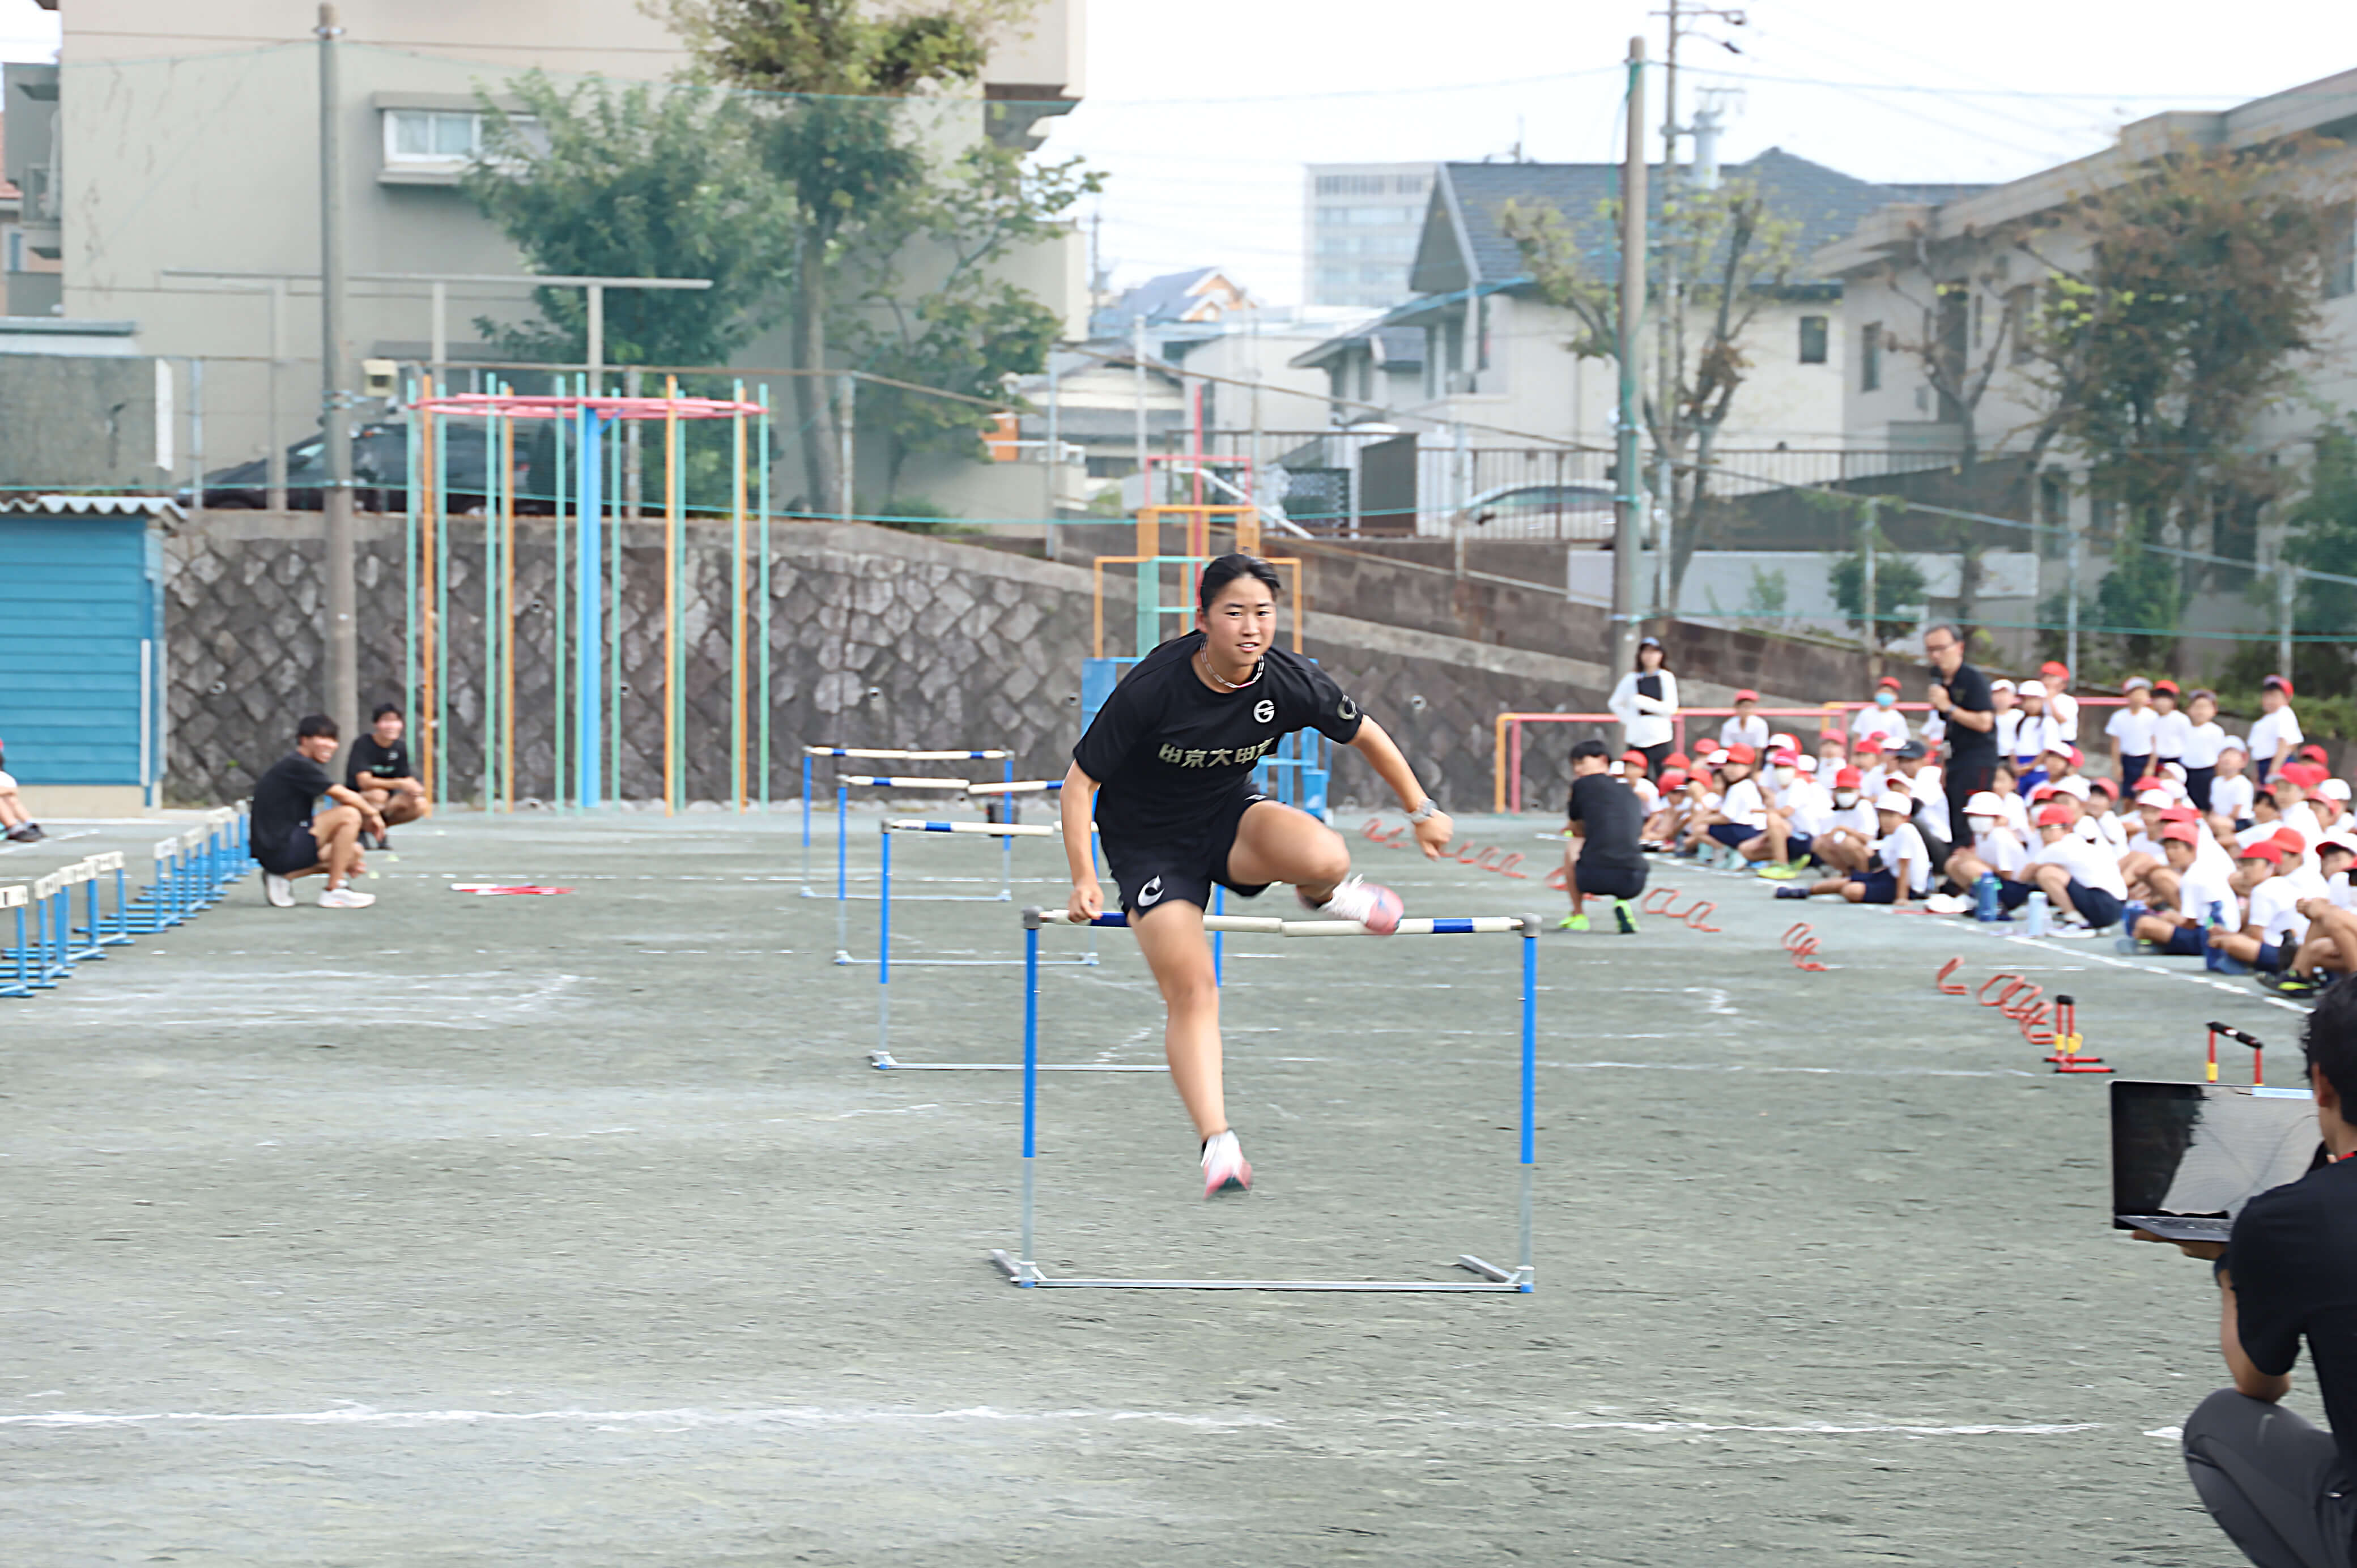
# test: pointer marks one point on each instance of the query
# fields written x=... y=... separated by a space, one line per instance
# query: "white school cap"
x=2030 y=689
x=2334 y=789
x=1984 y=803
x=2077 y=784
x=1808 y=764
x=1892 y=800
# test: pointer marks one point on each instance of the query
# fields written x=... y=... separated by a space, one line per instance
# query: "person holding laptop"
x=2283 y=1490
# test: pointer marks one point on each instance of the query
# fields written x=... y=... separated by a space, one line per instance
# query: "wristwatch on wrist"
x=1424 y=811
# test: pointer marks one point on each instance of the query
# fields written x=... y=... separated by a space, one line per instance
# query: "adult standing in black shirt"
x=1172 y=752
x=379 y=771
x=291 y=838
x=1961 y=696
x=1608 y=821
x=2284 y=1492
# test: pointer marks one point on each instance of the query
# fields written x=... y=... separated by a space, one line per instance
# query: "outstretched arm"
x=1374 y=743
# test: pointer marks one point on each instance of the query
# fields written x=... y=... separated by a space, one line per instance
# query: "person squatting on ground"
x=1604 y=859
x=2283 y=1490
x=16 y=823
x=1165 y=773
x=379 y=773
x=291 y=840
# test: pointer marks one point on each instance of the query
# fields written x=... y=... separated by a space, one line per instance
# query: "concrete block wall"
x=877 y=638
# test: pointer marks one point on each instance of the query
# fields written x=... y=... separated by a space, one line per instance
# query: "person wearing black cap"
x=1968 y=709
x=1645 y=702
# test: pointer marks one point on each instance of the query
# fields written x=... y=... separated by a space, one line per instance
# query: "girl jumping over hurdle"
x=1166 y=772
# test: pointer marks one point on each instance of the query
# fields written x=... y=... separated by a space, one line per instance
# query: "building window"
x=11 y=247
x=1812 y=339
x=2018 y=303
x=431 y=135
x=1869 y=358
x=2341 y=261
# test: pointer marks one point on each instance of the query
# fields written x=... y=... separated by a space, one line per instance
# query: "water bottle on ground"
x=1984 y=901
x=2037 y=915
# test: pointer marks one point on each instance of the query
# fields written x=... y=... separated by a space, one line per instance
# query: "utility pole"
x=1668 y=420
x=335 y=400
x=1628 y=525
x=2286 y=599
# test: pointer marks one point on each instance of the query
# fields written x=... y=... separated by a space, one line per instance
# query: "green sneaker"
x=1776 y=871
x=1624 y=916
x=1572 y=923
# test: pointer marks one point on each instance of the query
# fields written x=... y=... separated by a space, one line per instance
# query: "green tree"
x=2322 y=536
x=1898 y=584
x=838 y=133
x=1732 y=255
x=966 y=332
x=2155 y=358
x=634 y=182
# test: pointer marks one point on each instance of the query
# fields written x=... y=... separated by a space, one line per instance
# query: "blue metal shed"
x=81 y=644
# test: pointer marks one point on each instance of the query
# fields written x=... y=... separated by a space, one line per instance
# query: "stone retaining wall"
x=877 y=638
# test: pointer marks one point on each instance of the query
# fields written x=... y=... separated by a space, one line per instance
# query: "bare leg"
x=2337 y=927
x=2055 y=883
x=404 y=806
x=337 y=835
x=12 y=809
x=1571 y=875
x=2156 y=929
x=1171 y=937
x=1278 y=843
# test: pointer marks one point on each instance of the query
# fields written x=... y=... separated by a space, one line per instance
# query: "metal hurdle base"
x=883 y=1062
x=1495 y=1280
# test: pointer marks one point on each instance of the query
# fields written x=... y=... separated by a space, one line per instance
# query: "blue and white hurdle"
x=881 y=1057
x=1021 y=1270
x=192 y=869
x=876 y=754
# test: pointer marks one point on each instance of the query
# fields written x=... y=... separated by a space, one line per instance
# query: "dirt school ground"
x=579 y=1230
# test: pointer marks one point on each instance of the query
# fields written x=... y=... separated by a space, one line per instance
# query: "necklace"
x=1204 y=656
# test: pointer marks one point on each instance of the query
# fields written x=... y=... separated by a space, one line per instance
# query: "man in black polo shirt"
x=291 y=840
x=2284 y=1492
x=1960 y=695
x=1607 y=823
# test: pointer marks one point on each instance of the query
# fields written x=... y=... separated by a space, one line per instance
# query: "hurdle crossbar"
x=879 y=754
x=1021 y=1268
x=1021 y=787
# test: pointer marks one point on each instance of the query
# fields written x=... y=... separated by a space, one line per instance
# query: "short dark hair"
x=2329 y=1043
x=314 y=724
x=1589 y=748
x=384 y=708
x=1226 y=570
x=1949 y=627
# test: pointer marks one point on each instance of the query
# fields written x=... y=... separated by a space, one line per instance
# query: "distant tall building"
x=1363 y=219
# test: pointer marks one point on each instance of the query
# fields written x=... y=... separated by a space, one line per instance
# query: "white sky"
x=1202 y=115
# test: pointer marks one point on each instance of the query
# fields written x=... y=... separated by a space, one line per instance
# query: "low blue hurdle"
x=1021 y=1270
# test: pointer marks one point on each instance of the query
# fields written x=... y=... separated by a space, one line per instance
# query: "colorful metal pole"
x=761 y=431
x=590 y=646
x=674 y=719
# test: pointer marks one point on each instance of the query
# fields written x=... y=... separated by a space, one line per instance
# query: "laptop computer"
x=2186 y=1157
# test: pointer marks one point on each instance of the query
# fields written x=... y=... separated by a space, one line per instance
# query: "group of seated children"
x=2205 y=856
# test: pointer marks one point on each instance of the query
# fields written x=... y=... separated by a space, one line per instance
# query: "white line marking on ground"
x=808 y=1416
x=1828 y=1071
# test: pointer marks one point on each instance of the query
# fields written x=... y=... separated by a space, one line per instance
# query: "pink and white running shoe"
x=1374 y=907
x=1225 y=1169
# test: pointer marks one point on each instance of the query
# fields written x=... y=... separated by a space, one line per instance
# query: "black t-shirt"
x=1169 y=751
x=385 y=761
x=1611 y=819
x=1968 y=746
x=2294 y=1261
x=283 y=797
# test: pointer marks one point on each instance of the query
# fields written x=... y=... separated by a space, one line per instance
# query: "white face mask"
x=1784 y=775
x=1982 y=825
x=1844 y=799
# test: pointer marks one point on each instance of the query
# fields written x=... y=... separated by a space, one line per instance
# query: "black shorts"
x=298 y=850
x=2186 y=941
x=1598 y=882
x=1881 y=885
x=1733 y=835
x=1179 y=870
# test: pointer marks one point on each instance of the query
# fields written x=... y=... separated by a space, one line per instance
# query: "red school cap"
x=2265 y=849
x=1741 y=754
x=1673 y=778
x=2166 y=685
x=1747 y=695
x=2180 y=832
x=1889 y=681
x=2055 y=667
x=2180 y=814
x=2055 y=817
x=1849 y=778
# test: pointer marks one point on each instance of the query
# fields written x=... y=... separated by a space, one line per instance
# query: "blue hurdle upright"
x=1024 y=1271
